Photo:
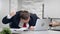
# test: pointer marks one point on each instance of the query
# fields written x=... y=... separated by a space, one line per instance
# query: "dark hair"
x=24 y=14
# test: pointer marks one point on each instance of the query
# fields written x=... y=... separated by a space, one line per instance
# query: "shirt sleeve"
x=9 y=17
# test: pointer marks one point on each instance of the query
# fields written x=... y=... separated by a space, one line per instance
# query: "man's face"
x=25 y=21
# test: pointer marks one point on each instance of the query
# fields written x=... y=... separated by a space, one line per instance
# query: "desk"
x=38 y=32
x=54 y=32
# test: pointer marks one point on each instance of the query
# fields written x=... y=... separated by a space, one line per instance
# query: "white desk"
x=38 y=32
x=54 y=32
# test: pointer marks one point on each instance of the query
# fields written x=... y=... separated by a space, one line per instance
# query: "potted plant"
x=5 y=31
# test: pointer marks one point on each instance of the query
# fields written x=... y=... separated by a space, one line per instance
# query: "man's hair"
x=24 y=14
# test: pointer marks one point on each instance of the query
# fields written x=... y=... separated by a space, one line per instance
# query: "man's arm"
x=7 y=19
x=54 y=24
x=33 y=21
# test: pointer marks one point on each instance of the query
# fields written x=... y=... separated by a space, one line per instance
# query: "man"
x=20 y=19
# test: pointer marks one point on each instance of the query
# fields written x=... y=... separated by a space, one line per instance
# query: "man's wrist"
x=9 y=17
x=31 y=27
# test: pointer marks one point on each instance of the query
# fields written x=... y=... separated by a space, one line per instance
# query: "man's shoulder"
x=33 y=15
x=18 y=12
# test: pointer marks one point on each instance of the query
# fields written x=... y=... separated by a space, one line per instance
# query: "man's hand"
x=12 y=13
x=54 y=24
x=31 y=28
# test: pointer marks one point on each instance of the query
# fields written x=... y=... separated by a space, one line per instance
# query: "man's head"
x=25 y=16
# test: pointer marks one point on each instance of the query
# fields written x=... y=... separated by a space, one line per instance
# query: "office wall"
x=6 y=6
x=33 y=6
x=52 y=8
x=13 y=5
x=4 y=10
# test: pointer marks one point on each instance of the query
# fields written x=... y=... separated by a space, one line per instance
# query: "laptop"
x=42 y=24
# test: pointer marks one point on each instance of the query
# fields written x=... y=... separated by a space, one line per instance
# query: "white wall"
x=6 y=7
x=52 y=8
x=13 y=5
x=4 y=10
x=33 y=6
